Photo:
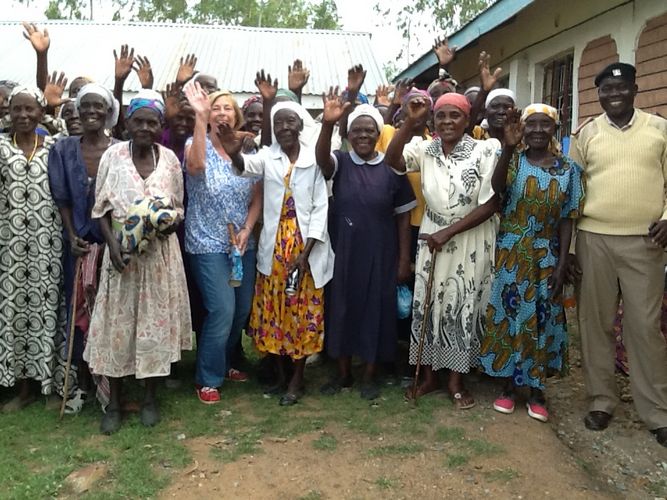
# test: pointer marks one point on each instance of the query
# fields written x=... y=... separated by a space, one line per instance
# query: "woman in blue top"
x=217 y=198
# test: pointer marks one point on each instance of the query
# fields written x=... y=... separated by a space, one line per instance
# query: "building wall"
x=548 y=29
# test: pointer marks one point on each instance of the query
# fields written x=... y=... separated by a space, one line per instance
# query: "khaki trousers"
x=635 y=265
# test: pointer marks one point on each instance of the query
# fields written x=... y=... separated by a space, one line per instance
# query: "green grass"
x=311 y=495
x=449 y=434
x=456 y=460
x=385 y=483
x=501 y=475
x=396 y=449
x=326 y=442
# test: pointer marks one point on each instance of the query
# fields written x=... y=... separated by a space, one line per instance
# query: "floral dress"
x=141 y=319
x=526 y=335
x=280 y=323
x=453 y=186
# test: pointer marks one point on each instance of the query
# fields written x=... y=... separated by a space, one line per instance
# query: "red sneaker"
x=208 y=395
x=504 y=404
x=236 y=375
x=537 y=411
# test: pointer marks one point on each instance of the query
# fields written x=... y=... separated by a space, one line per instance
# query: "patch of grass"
x=482 y=447
x=455 y=460
x=502 y=475
x=385 y=483
x=311 y=495
x=326 y=442
x=449 y=434
x=396 y=449
x=242 y=444
x=658 y=488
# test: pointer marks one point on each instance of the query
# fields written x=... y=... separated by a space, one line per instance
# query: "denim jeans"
x=227 y=311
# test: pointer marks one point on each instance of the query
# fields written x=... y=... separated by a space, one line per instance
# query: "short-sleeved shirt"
x=216 y=197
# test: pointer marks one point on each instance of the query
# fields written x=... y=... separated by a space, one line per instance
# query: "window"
x=557 y=91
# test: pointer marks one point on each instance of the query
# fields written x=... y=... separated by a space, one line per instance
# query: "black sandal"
x=110 y=422
x=149 y=414
x=334 y=386
x=369 y=391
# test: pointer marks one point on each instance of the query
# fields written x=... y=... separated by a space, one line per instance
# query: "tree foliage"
x=420 y=21
x=317 y=14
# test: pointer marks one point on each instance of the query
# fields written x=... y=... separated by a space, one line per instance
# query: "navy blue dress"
x=361 y=298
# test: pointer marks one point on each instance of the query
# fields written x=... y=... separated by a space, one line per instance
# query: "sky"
x=355 y=15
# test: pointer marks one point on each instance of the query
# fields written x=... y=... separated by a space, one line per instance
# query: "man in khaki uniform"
x=619 y=247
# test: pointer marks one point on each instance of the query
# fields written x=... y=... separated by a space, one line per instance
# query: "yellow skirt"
x=282 y=324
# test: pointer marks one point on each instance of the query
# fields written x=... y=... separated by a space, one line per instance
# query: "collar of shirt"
x=624 y=127
x=358 y=160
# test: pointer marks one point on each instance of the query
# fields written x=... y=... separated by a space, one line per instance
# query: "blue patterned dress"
x=526 y=335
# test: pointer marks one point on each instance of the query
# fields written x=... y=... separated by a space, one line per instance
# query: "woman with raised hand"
x=370 y=233
x=294 y=260
x=219 y=201
x=460 y=202
x=30 y=251
x=73 y=165
x=542 y=191
x=141 y=319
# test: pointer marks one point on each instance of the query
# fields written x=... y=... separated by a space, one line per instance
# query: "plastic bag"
x=404 y=301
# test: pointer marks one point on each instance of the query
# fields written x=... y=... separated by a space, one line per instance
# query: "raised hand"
x=123 y=64
x=355 y=78
x=55 y=87
x=334 y=106
x=417 y=109
x=171 y=96
x=401 y=90
x=382 y=95
x=231 y=142
x=487 y=78
x=297 y=76
x=187 y=69
x=513 y=128
x=198 y=99
x=39 y=39
x=144 y=72
x=443 y=51
x=265 y=86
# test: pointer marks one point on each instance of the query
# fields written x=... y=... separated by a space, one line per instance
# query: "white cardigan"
x=310 y=199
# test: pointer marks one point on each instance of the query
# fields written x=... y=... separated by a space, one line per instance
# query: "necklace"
x=152 y=153
x=34 y=148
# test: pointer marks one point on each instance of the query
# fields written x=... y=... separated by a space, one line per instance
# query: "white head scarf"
x=104 y=93
x=309 y=126
x=499 y=93
x=365 y=110
x=31 y=91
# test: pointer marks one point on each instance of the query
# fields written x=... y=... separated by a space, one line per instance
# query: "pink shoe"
x=504 y=404
x=236 y=375
x=208 y=395
x=537 y=411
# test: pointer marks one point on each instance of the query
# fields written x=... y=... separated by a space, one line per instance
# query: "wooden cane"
x=422 y=335
x=70 y=345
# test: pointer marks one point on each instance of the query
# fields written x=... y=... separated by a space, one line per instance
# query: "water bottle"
x=292 y=284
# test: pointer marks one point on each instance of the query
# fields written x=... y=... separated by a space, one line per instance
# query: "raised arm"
x=142 y=66
x=400 y=91
x=513 y=135
x=297 y=77
x=268 y=91
x=40 y=41
x=122 y=69
x=416 y=110
x=195 y=154
x=487 y=82
x=53 y=91
x=445 y=55
x=355 y=79
x=334 y=107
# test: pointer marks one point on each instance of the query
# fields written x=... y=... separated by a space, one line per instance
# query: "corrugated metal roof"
x=232 y=54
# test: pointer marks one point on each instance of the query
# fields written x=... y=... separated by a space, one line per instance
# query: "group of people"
x=126 y=229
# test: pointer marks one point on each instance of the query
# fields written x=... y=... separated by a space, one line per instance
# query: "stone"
x=83 y=479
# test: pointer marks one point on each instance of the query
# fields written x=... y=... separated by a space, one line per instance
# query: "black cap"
x=620 y=70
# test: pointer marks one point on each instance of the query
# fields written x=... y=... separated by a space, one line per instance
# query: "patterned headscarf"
x=146 y=98
x=550 y=111
x=104 y=93
x=415 y=92
x=452 y=98
x=250 y=101
x=31 y=91
x=288 y=94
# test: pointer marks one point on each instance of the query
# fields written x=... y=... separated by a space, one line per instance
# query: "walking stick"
x=422 y=334
x=70 y=345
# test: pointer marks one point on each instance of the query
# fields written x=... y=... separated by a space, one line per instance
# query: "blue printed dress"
x=526 y=335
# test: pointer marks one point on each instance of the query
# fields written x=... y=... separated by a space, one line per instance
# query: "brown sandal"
x=458 y=399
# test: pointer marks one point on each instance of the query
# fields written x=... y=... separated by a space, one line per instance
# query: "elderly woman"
x=295 y=259
x=141 y=319
x=542 y=192
x=370 y=232
x=219 y=202
x=30 y=251
x=73 y=164
x=456 y=182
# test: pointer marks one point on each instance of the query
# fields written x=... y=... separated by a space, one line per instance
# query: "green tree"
x=410 y=18
x=317 y=14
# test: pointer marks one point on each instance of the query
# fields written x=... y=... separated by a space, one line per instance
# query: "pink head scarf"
x=457 y=100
